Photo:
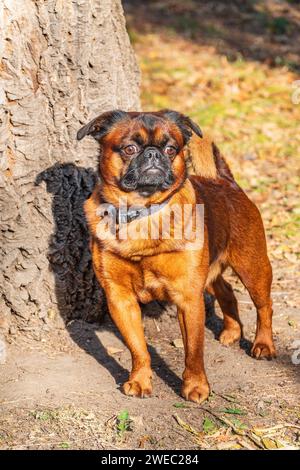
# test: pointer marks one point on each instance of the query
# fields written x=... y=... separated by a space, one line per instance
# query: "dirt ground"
x=61 y=388
x=232 y=69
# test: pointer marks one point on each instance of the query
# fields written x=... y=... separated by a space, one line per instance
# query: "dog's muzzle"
x=148 y=172
x=153 y=163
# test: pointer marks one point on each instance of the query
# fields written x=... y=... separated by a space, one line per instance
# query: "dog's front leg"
x=191 y=316
x=126 y=314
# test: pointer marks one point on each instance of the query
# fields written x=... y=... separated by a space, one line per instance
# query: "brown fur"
x=200 y=158
x=133 y=271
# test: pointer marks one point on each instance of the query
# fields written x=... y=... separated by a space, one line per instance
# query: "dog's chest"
x=149 y=286
x=166 y=276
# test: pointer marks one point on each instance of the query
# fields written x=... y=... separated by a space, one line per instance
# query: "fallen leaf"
x=181 y=405
x=208 y=426
x=228 y=445
x=186 y=426
x=268 y=443
x=111 y=350
x=178 y=343
x=143 y=441
x=234 y=411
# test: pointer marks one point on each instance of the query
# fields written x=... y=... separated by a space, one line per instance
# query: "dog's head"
x=142 y=153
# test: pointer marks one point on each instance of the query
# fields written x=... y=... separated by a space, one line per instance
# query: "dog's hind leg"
x=257 y=278
x=232 y=330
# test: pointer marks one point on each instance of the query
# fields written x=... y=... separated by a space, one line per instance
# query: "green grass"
x=123 y=423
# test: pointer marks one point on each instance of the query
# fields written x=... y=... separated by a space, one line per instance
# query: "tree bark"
x=62 y=63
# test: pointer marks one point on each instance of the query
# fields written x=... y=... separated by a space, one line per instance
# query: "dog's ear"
x=100 y=126
x=185 y=124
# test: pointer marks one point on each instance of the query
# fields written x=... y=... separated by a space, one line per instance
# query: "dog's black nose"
x=152 y=154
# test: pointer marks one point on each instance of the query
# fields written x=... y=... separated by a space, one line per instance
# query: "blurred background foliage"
x=231 y=65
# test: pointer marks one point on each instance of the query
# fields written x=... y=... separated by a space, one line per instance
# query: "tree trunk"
x=62 y=63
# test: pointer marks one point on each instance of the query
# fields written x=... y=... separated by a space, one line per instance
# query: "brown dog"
x=149 y=160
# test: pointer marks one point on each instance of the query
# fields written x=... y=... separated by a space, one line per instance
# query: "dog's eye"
x=170 y=151
x=130 y=149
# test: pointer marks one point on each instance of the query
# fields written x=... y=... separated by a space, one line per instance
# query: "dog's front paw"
x=139 y=384
x=195 y=390
x=263 y=349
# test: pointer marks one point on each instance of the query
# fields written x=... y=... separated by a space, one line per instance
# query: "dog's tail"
x=205 y=159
